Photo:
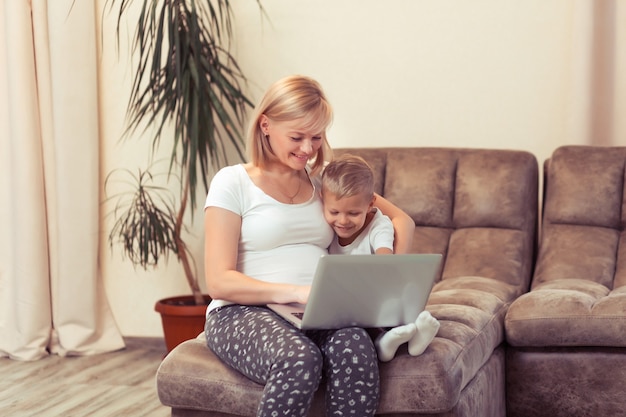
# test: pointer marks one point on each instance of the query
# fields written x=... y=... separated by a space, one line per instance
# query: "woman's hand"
x=293 y=294
x=301 y=293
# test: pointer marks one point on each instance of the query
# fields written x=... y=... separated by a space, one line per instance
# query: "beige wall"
x=486 y=73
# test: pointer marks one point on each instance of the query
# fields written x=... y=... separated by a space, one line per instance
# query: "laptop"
x=365 y=291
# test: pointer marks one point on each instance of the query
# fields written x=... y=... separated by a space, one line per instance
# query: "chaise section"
x=476 y=207
x=568 y=334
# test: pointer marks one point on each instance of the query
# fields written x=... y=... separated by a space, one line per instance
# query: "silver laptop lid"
x=370 y=290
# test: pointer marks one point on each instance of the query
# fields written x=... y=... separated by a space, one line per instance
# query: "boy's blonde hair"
x=291 y=98
x=348 y=175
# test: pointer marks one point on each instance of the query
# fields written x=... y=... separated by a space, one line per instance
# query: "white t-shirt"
x=377 y=234
x=279 y=242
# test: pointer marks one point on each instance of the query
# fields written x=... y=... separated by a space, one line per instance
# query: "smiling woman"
x=264 y=234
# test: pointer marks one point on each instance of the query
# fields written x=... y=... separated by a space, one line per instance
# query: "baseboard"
x=151 y=343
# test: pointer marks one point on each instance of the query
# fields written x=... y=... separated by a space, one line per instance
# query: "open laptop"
x=365 y=291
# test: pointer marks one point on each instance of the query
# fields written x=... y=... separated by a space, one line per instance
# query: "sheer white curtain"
x=51 y=295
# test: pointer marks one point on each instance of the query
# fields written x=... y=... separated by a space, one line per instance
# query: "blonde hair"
x=347 y=176
x=293 y=97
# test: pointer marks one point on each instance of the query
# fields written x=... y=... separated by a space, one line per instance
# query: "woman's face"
x=291 y=143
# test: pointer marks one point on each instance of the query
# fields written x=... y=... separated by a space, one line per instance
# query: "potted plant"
x=185 y=80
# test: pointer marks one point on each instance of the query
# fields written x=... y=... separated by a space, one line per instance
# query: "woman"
x=264 y=233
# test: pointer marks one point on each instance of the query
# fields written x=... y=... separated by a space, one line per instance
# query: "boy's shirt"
x=377 y=234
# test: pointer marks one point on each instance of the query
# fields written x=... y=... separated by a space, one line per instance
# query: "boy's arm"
x=382 y=234
x=403 y=224
x=384 y=251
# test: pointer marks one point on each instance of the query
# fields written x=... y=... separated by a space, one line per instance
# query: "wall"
x=529 y=75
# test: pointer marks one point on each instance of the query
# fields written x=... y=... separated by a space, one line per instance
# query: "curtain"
x=51 y=294
x=604 y=88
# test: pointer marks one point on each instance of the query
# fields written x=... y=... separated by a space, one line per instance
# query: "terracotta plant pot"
x=182 y=319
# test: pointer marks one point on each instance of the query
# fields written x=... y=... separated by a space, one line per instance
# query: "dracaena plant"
x=189 y=90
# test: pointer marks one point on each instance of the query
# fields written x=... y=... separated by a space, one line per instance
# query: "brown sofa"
x=476 y=207
x=567 y=336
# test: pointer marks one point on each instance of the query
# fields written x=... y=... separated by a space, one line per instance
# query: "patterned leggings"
x=290 y=363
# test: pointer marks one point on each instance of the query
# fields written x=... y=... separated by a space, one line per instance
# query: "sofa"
x=476 y=207
x=567 y=335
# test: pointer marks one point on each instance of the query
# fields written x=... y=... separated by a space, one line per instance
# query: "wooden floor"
x=112 y=384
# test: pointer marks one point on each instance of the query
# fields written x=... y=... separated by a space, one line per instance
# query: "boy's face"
x=346 y=215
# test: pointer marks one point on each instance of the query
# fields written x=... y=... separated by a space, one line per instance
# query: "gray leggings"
x=290 y=363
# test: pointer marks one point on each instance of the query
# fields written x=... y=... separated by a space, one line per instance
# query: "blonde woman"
x=264 y=234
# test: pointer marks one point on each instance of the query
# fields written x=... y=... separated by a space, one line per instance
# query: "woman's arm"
x=403 y=224
x=221 y=230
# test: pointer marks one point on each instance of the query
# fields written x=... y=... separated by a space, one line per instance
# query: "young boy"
x=348 y=197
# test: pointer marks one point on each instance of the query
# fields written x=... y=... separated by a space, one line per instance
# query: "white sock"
x=387 y=343
x=427 y=328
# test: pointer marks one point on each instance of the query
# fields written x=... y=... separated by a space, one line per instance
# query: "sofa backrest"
x=477 y=207
x=584 y=217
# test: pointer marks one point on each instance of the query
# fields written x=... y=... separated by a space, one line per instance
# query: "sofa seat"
x=476 y=207
x=567 y=336
x=569 y=312
x=192 y=377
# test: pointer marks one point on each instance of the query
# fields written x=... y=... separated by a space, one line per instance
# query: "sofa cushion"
x=191 y=377
x=194 y=383
x=578 y=295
